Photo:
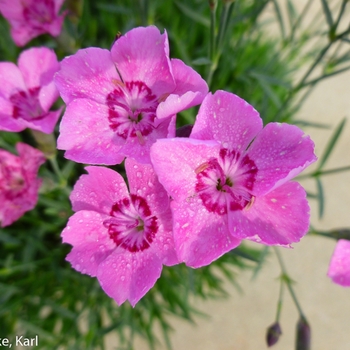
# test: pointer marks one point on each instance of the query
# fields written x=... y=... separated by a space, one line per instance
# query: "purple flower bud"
x=303 y=336
x=273 y=334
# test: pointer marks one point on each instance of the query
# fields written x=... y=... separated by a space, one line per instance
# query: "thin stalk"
x=299 y=20
x=217 y=49
x=324 y=172
x=212 y=48
x=57 y=171
x=280 y=302
x=303 y=79
x=342 y=8
x=286 y=280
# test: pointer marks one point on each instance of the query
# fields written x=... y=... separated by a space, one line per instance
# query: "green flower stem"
x=212 y=6
x=286 y=279
x=215 y=50
x=325 y=172
x=299 y=20
x=341 y=12
x=225 y=15
x=280 y=302
x=61 y=180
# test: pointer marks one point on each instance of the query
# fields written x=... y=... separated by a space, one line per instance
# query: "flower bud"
x=273 y=333
x=303 y=336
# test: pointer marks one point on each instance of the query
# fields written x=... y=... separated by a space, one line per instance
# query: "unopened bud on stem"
x=273 y=334
x=303 y=336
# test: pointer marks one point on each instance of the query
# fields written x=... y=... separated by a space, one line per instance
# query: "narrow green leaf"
x=269 y=91
x=304 y=123
x=271 y=79
x=333 y=171
x=330 y=146
x=292 y=13
x=189 y=12
x=320 y=197
x=201 y=61
x=327 y=13
x=325 y=76
x=279 y=18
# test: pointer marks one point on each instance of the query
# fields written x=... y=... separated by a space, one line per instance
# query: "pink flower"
x=31 y=18
x=339 y=267
x=18 y=182
x=27 y=92
x=123 y=239
x=115 y=99
x=230 y=180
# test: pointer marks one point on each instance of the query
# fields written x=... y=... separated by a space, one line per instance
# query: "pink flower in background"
x=31 y=18
x=19 y=184
x=230 y=180
x=123 y=239
x=27 y=92
x=339 y=267
x=120 y=101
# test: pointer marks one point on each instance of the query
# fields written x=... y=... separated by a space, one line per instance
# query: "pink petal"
x=38 y=66
x=98 y=190
x=144 y=182
x=86 y=136
x=280 y=152
x=12 y=9
x=46 y=123
x=190 y=90
x=125 y=276
x=175 y=161
x=54 y=27
x=11 y=79
x=200 y=236
x=142 y=55
x=163 y=245
x=31 y=159
x=90 y=240
x=228 y=119
x=187 y=79
x=281 y=217
x=90 y=73
x=7 y=122
x=140 y=151
x=339 y=267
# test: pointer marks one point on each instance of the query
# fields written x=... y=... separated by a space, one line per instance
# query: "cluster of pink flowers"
x=188 y=199
x=191 y=199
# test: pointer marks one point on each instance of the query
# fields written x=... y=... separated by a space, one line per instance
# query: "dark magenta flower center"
x=132 y=109
x=132 y=225
x=12 y=180
x=39 y=13
x=225 y=183
x=26 y=105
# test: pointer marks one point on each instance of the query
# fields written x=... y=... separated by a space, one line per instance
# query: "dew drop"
x=122 y=278
x=139 y=174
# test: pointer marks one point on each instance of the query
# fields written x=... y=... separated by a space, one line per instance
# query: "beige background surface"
x=240 y=321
